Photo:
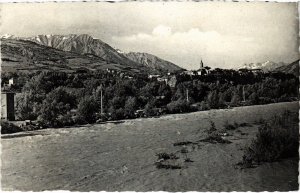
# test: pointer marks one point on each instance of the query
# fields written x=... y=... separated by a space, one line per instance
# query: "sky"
x=222 y=34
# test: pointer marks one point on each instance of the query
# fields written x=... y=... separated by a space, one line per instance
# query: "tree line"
x=58 y=99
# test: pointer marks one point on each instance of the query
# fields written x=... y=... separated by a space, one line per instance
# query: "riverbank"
x=121 y=156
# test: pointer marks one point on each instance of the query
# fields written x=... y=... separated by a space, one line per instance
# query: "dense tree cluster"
x=60 y=99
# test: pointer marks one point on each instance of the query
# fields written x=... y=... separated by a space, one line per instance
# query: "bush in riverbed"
x=233 y=126
x=214 y=135
x=160 y=165
x=166 y=156
x=275 y=140
x=212 y=128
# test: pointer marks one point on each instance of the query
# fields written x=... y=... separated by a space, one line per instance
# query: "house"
x=162 y=79
x=201 y=71
x=110 y=70
x=153 y=76
x=246 y=70
x=11 y=82
x=8 y=105
x=128 y=77
x=189 y=72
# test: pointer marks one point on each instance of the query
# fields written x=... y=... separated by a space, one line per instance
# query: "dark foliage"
x=160 y=165
x=214 y=135
x=276 y=139
x=233 y=126
x=184 y=143
x=166 y=156
x=188 y=160
x=7 y=128
x=58 y=93
x=87 y=108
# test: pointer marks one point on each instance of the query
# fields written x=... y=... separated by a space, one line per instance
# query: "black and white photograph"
x=147 y=96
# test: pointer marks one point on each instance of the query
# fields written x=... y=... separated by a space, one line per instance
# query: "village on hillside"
x=170 y=84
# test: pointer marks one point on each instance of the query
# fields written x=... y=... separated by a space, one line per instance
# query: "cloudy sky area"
x=221 y=34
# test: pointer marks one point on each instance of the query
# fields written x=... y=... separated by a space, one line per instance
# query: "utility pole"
x=244 y=98
x=101 y=98
x=187 y=95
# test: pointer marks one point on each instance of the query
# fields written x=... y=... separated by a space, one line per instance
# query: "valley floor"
x=120 y=156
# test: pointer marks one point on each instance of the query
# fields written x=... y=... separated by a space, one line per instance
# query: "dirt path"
x=121 y=157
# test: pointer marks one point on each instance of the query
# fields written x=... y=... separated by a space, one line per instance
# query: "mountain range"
x=292 y=68
x=265 y=66
x=73 y=51
x=269 y=66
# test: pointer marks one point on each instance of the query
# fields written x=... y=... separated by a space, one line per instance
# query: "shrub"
x=66 y=120
x=214 y=136
x=266 y=100
x=254 y=99
x=178 y=106
x=130 y=107
x=150 y=109
x=25 y=106
x=233 y=126
x=7 y=128
x=87 y=109
x=120 y=113
x=204 y=106
x=79 y=120
x=160 y=165
x=166 y=156
x=188 y=160
x=213 y=99
x=245 y=124
x=275 y=140
x=183 y=143
x=235 y=100
x=57 y=103
x=212 y=128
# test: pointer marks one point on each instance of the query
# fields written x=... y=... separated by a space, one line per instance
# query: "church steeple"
x=201 y=64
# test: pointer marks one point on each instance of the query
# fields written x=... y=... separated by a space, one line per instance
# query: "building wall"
x=8 y=106
x=3 y=106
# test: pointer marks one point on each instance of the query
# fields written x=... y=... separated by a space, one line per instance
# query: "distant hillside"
x=292 y=68
x=25 y=55
x=266 y=66
x=152 y=61
x=84 y=44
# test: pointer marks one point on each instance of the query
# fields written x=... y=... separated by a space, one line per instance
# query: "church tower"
x=201 y=65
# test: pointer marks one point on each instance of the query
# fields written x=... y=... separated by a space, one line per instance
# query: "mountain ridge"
x=83 y=44
x=265 y=66
x=152 y=61
x=292 y=68
x=86 y=44
x=25 y=55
